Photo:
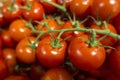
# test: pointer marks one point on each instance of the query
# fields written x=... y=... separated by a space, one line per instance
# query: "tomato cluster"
x=59 y=40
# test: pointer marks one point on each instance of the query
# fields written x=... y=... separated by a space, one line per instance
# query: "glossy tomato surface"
x=85 y=57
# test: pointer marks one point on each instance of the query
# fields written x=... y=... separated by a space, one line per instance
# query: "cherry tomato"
x=16 y=77
x=47 y=7
x=1 y=18
x=85 y=57
x=25 y=53
x=70 y=34
x=7 y=40
x=3 y=69
x=10 y=59
x=1 y=45
x=57 y=74
x=116 y=23
x=80 y=7
x=48 y=24
x=18 y=30
x=105 y=8
x=67 y=3
x=11 y=11
x=114 y=60
x=90 y=78
x=108 y=41
x=34 y=13
x=49 y=56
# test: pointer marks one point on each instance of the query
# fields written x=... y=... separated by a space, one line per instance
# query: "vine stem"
x=106 y=32
x=62 y=8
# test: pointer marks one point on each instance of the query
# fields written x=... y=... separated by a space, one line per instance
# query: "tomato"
x=1 y=45
x=10 y=59
x=108 y=41
x=48 y=24
x=47 y=7
x=70 y=34
x=1 y=18
x=67 y=3
x=90 y=78
x=3 y=69
x=14 y=11
x=56 y=74
x=49 y=56
x=85 y=57
x=110 y=76
x=116 y=23
x=114 y=60
x=25 y=53
x=105 y=9
x=7 y=40
x=18 y=30
x=16 y=77
x=34 y=13
x=80 y=7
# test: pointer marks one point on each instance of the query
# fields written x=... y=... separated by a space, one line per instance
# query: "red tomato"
x=114 y=60
x=7 y=39
x=49 y=56
x=80 y=7
x=56 y=74
x=1 y=18
x=16 y=77
x=85 y=57
x=1 y=47
x=48 y=24
x=90 y=78
x=9 y=57
x=67 y=3
x=34 y=13
x=47 y=7
x=116 y=23
x=108 y=41
x=18 y=30
x=70 y=34
x=25 y=53
x=11 y=12
x=105 y=8
x=3 y=69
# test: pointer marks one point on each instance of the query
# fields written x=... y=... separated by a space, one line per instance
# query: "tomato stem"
x=62 y=8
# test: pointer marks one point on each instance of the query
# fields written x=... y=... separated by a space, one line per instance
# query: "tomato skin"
x=105 y=8
x=16 y=77
x=51 y=24
x=85 y=57
x=47 y=7
x=7 y=39
x=3 y=69
x=1 y=45
x=35 y=13
x=18 y=32
x=70 y=34
x=114 y=60
x=67 y=3
x=56 y=74
x=11 y=15
x=108 y=41
x=9 y=56
x=24 y=52
x=116 y=23
x=80 y=7
x=49 y=56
